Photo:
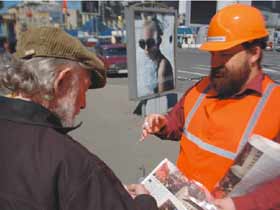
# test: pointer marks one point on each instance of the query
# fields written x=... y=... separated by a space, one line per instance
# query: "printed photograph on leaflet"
x=173 y=190
x=245 y=160
x=167 y=205
x=258 y=162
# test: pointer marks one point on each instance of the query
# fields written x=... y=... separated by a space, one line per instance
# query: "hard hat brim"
x=218 y=46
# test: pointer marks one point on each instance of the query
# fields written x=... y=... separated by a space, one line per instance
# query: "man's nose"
x=83 y=106
x=83 y=102
x=146 y=48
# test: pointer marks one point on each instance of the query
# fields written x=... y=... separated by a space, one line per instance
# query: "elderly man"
x=216 y=117
x=41 y=166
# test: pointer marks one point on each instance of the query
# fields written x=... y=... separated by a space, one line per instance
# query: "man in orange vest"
x=215 y=118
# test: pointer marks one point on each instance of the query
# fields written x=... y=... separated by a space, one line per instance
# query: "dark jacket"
x=42 y=168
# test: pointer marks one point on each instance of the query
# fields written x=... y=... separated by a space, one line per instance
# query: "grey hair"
x=33 y=76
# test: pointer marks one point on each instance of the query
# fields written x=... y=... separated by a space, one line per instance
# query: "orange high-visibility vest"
x=216 y=130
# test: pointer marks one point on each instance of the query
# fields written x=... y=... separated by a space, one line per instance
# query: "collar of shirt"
x=32 y=113
x=253 y=87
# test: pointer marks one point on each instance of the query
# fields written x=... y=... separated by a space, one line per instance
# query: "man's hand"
x=152 y=124
x=136 y=189
x=225 y=204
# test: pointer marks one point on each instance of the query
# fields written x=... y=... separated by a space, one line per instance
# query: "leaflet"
x=258 y=162
x=172 y=190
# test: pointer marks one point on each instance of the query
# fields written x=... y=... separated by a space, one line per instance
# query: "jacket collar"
x=30 y=113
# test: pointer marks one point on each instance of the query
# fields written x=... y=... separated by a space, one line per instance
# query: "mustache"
x=217 y=71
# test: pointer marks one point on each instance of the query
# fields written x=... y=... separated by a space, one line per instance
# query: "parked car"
x=89 y=41
x=114 y=57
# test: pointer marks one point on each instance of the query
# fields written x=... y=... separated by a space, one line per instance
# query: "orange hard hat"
x=233 y=25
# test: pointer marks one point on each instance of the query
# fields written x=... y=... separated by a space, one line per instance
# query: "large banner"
x=151 y=43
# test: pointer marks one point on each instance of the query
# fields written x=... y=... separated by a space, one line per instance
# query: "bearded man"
x=41 y=166
x=215 y=118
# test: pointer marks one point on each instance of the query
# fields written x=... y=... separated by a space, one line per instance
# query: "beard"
x=65 y=109
x=226 y=82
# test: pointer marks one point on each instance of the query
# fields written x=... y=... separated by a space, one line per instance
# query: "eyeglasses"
x=149 y=43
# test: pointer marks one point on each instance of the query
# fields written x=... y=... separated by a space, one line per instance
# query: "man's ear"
x=256 y=53
x=62 y=82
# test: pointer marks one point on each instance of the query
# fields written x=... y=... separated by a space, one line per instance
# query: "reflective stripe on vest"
x=217 y=150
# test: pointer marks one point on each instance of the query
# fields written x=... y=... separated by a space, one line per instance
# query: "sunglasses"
x=149 y=43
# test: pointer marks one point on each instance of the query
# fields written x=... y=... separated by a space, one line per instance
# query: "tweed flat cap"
x=54 y=42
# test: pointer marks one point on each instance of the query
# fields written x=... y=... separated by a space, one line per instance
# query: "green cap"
x=54 y=42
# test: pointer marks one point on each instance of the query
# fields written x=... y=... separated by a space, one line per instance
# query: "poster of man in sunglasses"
x=154 y=49
x=151 y=38
x=154 y=55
